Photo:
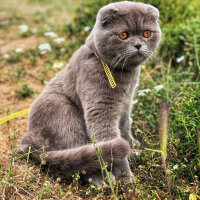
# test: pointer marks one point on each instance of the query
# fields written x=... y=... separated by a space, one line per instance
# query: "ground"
x=25 y=69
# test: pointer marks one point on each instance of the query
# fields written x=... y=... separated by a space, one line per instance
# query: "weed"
x=24 y=92
x=14 y=57
x=45 y=189
x=16 y=73
x=104 y=166
x=27 y=161
x=10 y=172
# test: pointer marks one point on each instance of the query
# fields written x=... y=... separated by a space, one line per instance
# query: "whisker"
x=122 y=56
x=124 y=65
x=115 y=59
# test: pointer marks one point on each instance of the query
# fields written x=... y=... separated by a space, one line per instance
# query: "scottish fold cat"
x=79 y=104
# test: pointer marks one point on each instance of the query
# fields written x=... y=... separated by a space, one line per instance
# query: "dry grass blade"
x=163 y=133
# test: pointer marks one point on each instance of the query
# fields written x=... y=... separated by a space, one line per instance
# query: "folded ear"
x=153 y=12
x=107 y=15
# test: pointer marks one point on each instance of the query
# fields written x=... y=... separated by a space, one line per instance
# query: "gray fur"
x=79 y=103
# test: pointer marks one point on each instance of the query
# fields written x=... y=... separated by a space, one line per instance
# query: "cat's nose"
x=138 y=46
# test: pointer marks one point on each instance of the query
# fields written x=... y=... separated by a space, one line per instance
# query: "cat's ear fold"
x=106 y=16
x=153 y=12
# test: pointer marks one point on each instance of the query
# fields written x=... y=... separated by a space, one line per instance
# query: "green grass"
x=10 y=172
x=184 y=96
x=24 y=92
x=180 y=27
x=104 y=167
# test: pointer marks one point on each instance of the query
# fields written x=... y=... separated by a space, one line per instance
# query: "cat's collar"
x=108 y=72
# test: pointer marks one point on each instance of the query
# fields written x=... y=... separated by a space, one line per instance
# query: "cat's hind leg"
x=58 y=137
x=56 y=123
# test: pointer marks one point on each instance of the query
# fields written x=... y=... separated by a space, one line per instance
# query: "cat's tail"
x=85 y=157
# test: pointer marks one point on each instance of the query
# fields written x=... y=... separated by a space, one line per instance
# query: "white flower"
x=135 y=101
x=138 y=153
x=86 y=28
x=175 y=166
x=159 y=87
x=59 y=40
x=50 y=34
x=137 y=85
x=178 y=60
x=34 y=30
x=143 y=92
x=23 y=28
x=6 y=56
x=44 y=48
x=62 y=49
x=18 y=50
x=90 y=180
x=57 y=65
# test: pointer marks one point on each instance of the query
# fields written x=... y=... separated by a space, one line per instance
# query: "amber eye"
x=146 y=34
x=123 y=35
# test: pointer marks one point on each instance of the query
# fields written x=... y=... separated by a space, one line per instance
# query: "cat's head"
x=126 y=33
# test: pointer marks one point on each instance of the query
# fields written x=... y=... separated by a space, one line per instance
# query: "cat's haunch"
x=79 y=104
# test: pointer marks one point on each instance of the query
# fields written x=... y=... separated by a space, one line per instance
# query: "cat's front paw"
x=127 y=179
x=97 y=179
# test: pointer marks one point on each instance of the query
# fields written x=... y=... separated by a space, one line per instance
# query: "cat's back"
x=64 y=84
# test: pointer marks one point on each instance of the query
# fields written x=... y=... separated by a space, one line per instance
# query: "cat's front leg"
x=125 y=129
x=103 y=125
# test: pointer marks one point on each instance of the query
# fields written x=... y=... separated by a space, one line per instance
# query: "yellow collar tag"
x=109 y=74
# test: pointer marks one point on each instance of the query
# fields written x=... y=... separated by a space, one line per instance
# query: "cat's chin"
x=136 y=60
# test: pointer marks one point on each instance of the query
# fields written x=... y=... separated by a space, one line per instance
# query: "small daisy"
x=34 y=30
x=6 y=56
x=178 y=60
x=143 y=92
x=18 y=50
x=50 y=34
x=137 y=85
x=58 y=65
x=86 y=28
x=159 y=87
x=62 y=49
x=59 y=40
x=135 y=101
x=44 y=48
x=23 y=28
x=87 y=192
x=90 y=180
x=175 y=166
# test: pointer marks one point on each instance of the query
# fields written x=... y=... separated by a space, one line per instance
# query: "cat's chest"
x=126 y=82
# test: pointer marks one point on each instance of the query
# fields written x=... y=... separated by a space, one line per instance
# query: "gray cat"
x=79 y=104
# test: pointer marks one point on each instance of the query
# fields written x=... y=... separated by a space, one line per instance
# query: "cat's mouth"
x=128 y=57
x=136 y=58
x=137 y=55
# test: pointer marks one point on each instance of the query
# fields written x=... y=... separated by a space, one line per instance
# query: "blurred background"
x=37 y=39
